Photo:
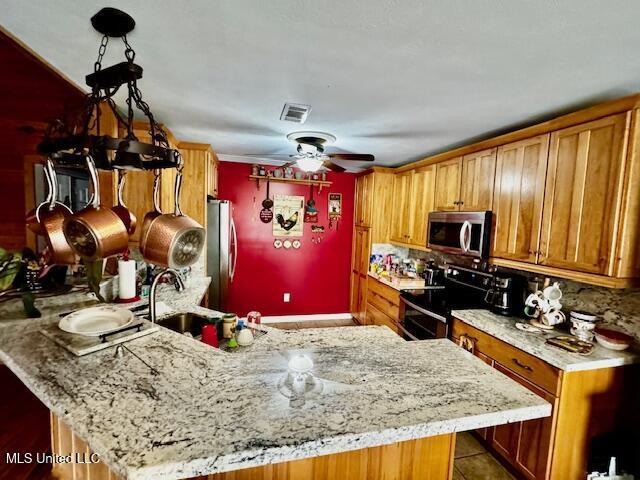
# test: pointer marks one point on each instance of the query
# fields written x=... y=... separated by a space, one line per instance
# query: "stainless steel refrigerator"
x=222 y=252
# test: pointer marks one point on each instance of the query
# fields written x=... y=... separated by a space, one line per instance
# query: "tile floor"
x=471 y=462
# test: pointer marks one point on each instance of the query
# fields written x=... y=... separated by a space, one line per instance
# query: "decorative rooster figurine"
x=289 y=223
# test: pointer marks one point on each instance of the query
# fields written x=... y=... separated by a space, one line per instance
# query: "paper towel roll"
x=126 y=279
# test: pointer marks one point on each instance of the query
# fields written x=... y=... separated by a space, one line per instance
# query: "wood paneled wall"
x=31 y=94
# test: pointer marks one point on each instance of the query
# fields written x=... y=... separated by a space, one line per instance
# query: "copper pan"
x=51 y=216
x=128 y=218
x=153 y=214
x=173 y=239
x=96 y=232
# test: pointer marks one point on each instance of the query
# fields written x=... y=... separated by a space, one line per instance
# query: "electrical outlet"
x=287 y=297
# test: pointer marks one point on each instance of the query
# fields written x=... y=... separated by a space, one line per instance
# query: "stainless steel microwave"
x=462 y=233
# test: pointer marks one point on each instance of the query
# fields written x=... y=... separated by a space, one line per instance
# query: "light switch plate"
x=286 y=298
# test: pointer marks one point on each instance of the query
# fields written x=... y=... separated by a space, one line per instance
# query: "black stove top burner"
x=461 y=288
x=442 y=301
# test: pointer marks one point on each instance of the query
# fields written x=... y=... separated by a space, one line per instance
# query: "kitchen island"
x=376 y=405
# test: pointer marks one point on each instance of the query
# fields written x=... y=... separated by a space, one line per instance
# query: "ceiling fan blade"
x=332 y=166
x=356 y=157
x=263 y=155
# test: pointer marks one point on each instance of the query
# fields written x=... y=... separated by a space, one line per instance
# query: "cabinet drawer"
x=385 y=291
x=527 y=366
x=380 y=297
x=377 y=317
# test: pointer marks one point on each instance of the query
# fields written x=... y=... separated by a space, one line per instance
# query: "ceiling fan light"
x=309 y=164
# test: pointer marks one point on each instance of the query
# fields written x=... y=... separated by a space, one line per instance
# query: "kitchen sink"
x=184 y=322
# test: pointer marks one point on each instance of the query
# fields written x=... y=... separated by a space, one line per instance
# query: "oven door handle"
x=422 y=310
x=406 y=332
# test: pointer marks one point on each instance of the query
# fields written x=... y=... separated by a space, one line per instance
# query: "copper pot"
x=51 y=216
x=173 y=239
x=96 y=232
x=128 y=218
x=150 y=216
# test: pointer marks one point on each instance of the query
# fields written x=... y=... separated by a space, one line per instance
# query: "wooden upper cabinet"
x=583 y=192
x=364 y=196
x=521 y=169
x=212 y=175
x=422 y=201
x=448 y=176
x=401 y=221
x=478 y=173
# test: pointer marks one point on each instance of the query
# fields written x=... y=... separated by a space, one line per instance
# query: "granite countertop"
x=207 y=411
x=79 y=297
x=504 y=328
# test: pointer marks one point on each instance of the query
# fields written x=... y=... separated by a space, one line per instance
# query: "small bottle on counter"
x=229 y=324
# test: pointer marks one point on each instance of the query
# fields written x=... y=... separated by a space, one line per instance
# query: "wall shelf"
x=319 y=183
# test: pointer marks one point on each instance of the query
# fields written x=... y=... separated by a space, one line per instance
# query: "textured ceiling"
x=398 y=79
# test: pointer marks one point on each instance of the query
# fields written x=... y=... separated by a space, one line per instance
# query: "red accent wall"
x=316 y=275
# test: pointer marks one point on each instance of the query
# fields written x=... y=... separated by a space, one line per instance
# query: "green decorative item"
x=10 y=264
x=28 y=303
x=94 y=277
x=233 y=343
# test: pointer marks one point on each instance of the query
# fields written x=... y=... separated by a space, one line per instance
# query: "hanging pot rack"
x=68 y=144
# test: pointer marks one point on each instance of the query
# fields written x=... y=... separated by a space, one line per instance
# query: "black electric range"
x=426 y=314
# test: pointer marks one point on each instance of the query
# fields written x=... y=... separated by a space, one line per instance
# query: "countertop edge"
x=336 y=445
x=582 y=365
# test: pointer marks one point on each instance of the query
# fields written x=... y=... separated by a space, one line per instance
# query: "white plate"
x=94 y=321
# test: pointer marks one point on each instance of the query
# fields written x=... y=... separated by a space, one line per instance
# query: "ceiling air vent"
x=295 y=112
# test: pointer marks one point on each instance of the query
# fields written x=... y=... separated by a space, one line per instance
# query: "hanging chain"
x=103 y=48
x=128 y=51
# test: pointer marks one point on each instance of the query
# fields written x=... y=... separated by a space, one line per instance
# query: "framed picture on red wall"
x=335 y=205
x=288 y=215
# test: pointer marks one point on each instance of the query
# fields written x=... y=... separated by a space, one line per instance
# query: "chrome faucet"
x=178 y=283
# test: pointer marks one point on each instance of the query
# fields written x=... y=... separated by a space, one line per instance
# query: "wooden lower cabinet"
x=374 y=316
x=428 y=458
x=358 y=297
x=528 y=444
x=585 y=404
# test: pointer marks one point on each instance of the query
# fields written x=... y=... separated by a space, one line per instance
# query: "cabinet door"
x=521 y=169
x=478 y=174
x=363 y=265
x=582 y=194
x=531 y=450
x=353 y=299
x=448 y=175
x=423 y=184
x=401 y=219
x=364 y=187
x=212 y=174
x=138 y=197
x=361 y=250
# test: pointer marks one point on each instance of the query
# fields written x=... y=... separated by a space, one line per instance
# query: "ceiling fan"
x=311 y=155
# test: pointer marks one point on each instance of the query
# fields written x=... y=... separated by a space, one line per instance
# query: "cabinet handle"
x=467 y=342
x=522 y=365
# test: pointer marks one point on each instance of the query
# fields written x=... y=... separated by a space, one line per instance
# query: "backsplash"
x=619 y=307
